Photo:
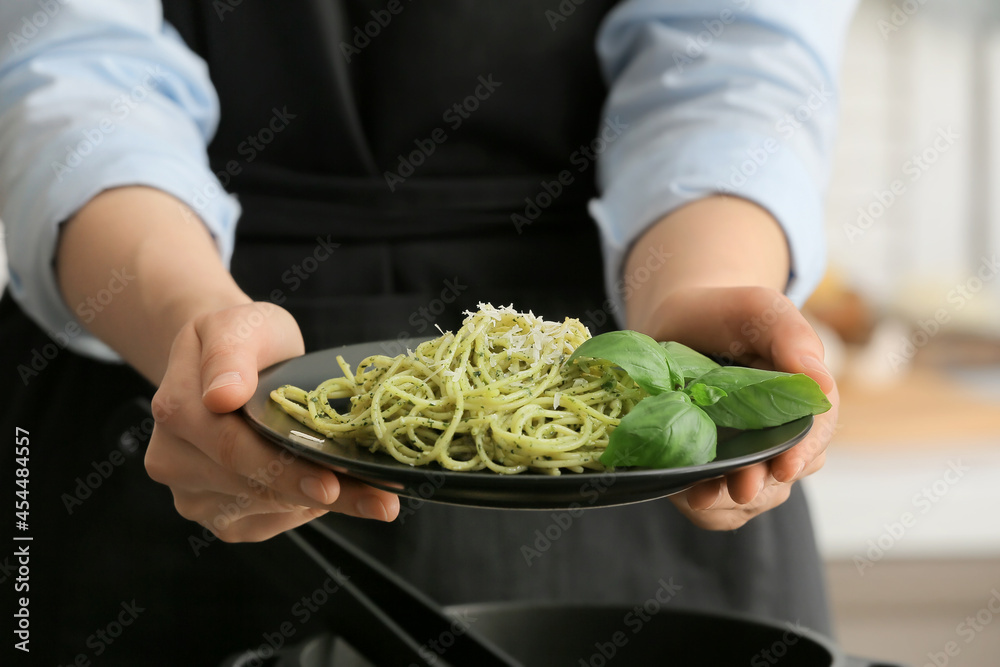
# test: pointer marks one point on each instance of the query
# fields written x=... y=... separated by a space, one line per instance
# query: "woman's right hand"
x=222 y=474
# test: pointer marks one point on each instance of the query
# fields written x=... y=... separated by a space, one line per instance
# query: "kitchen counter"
x=914 y=468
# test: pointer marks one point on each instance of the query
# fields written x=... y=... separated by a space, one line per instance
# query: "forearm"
x=134 y=265
x=713 y=242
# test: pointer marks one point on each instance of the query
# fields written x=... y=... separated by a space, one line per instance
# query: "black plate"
x=484 y=488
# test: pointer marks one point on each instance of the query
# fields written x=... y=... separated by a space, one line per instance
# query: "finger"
x=238 y=342
x=260 y=527
x=222 y=509
x=186 y=468
x=776 y=333
x=745 y=484
x=801 y=460
x=229 y=442
x=748 y=324
x=204 y=479
x=796 y=348
x=704 y=495
x=726 y=514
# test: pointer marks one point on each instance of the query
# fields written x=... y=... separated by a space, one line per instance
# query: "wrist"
x=170 y=267
x=719 y=241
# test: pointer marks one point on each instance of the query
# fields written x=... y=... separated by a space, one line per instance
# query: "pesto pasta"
x=498 y=394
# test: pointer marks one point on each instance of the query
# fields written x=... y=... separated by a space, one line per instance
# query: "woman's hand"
x=719 y=291
x=759 y=327
x=222 y=474
x=184 y=323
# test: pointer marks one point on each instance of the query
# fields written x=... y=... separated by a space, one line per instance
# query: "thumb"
x=796 y=348
x=235 y=344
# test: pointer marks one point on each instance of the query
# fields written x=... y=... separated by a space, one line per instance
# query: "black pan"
x=598 y=635
x=392 y=623
x=561 y=635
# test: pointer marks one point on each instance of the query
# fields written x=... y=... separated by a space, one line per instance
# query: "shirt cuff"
x=758 y=168
x=32 y=276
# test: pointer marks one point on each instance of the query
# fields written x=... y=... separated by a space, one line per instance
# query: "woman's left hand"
x=760 y=327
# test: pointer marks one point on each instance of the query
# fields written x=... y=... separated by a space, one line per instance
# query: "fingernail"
x=314 y=488
x=718 y=497
x=789 y=478
x=817 y=366
x=224 y=380
x=371 y=507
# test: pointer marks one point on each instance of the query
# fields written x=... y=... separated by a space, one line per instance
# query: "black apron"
x=340 y=131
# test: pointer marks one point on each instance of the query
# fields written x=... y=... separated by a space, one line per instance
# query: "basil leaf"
x=663 y=431
x=637 y=354
x=702 y=394
x=686 y=362
x=757 y=398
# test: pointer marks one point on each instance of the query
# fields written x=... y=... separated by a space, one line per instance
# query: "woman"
x=395 y=164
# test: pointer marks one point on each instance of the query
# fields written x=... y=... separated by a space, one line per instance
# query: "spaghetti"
x=496 y=395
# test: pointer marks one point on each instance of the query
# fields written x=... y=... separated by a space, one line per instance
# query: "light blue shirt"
x=706 y=96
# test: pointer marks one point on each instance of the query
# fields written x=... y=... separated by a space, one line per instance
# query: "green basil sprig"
x=638 y=355
x=756 y=398
x=690 y=396
x=703 y=394
x=662 y=431
x=687 y=362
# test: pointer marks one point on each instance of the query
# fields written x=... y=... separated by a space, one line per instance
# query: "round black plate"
x=484 y=488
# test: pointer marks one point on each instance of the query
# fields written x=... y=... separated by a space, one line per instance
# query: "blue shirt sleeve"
x=96 y=95
x=719 y=96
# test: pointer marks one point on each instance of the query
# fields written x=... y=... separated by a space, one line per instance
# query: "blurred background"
x=907 y=508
